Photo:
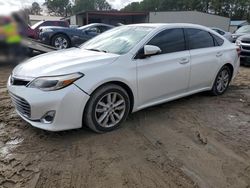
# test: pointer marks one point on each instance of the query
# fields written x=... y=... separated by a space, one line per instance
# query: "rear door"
x=164 y=75
x=206 y=58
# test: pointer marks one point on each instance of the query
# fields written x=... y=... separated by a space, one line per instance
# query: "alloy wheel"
x=61 y=43
x=223 y=80
x=110 y=110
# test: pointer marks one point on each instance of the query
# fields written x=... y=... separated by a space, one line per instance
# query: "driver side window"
x=169 y=41
x=94 y=30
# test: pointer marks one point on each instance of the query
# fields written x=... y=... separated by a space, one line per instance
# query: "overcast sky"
x=117 y=4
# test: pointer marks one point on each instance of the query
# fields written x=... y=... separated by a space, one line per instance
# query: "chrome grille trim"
x=18 y=82
x=21 y=105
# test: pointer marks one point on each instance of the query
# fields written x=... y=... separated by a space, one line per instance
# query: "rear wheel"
x=107 y=108
x=222 y=81
x=60 y=41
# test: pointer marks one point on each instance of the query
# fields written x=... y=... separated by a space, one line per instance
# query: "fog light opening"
x=48 y=118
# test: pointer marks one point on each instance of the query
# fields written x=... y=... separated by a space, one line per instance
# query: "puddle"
x=15 y=141
x=9 y=146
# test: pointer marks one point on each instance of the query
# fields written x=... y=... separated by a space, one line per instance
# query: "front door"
x=164 y=75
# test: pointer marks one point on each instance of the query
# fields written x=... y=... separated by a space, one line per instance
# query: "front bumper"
x=245 y=54
x=68 y=103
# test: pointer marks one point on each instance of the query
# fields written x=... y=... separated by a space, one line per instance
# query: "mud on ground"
x=198 y=141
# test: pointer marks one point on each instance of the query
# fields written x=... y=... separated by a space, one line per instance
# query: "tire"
x=102 y=113
x=60 y=41
x=222 y=81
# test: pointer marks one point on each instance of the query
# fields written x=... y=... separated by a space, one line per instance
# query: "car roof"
x=169 y=25
x=99 y=24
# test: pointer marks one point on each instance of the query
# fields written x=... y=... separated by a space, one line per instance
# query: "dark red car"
x=33 y=31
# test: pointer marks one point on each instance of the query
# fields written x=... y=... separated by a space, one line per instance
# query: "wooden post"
x=87 y=18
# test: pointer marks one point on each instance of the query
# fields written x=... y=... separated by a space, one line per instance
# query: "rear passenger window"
x=199 y=39
x=171 y=40
x=218 y=41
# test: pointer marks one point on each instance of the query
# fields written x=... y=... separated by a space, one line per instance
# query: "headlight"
x=238 y=43
x=52 y=83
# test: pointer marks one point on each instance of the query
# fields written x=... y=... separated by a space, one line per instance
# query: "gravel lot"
x=198 y=141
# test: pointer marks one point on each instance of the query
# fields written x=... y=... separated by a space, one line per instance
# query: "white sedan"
x=123 y=70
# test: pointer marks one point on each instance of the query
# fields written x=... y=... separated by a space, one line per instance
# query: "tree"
x=58 y=7
x=102 y=5
x=85 y=5
x=35 y=9
x=235 y=9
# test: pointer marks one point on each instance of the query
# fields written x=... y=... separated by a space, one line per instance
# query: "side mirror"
x=150 y=50
x=147 y=51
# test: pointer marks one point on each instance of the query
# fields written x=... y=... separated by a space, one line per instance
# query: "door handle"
x=184 y=61
x=219 y=54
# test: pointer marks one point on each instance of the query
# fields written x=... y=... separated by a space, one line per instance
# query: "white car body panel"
x=152 y=80
x=163 y=69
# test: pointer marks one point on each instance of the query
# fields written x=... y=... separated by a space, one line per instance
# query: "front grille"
x=242 y=53
x=244 y=41
x=18 y=82
x=246 y=47
x=21 y=105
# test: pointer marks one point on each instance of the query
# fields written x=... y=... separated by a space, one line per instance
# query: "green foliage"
x=58 y=7
x=236 y=9
x=35 y=9
x=86 y=5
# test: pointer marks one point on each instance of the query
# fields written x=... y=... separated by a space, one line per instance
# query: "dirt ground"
x=198 y=141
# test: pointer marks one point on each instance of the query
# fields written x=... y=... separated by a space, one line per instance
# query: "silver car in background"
x=223 y=33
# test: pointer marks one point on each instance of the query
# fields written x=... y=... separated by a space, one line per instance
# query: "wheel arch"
x=230 y=66
x=124 y=86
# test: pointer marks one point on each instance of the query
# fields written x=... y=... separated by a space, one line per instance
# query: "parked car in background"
x=36 y=27
x=63 y=38
x=223 y=33
x=123 y=70
x=244 y=43
x=240 y=32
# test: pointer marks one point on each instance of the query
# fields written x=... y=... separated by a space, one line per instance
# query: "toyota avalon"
x=121 y=71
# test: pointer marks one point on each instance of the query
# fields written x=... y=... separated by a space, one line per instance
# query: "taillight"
x=238 y=49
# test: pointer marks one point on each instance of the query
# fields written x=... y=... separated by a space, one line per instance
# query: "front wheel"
x=222 y=81
x=60 y=41
x=107 y=108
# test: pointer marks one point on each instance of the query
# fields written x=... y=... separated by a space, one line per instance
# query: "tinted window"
x=244 y=29
x=218 y=41
x=104 y=28
x=94 y=30
x=199 y=39
x=171 y=40
x=63 y=24
x=219 y=31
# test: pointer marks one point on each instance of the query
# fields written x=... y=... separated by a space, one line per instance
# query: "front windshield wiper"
x=97 y=50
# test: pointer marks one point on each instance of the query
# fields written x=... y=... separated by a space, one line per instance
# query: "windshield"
x=119 y=40
x=83 y=27
x=36 y=25
x=244 y=29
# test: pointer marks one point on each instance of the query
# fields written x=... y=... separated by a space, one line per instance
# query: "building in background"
x=37 y=18
x=193 y=17
x=236 y=24
x=115 y=17
x=108 y=17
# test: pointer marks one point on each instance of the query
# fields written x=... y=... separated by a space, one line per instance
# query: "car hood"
x=238 y=34
x=62 y=62
x=245 y=38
